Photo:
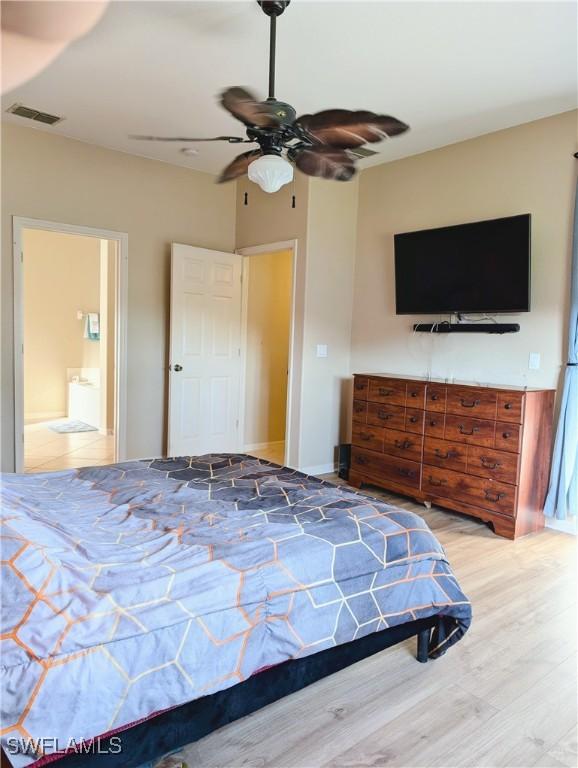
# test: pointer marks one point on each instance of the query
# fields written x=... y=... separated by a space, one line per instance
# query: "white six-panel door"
x=205 y=361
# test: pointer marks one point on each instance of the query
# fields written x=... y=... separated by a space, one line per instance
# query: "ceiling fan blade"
x=239 y=165
x=245 y=107
x=348 y=129
x=230 y=139
x=326 y=162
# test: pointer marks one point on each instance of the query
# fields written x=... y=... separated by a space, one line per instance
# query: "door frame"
x=293 y=409
x=20 y=223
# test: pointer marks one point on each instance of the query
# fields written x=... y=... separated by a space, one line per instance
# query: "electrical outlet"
x=322 y=350
x=534 y=361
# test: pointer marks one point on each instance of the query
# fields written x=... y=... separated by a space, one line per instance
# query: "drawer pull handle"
x=446 y=455
x=506 y=435
x=494 y=496
x=360 y=385
x=433 y=423
x=489 y=464
x=472 y=431
x=414 y=394
x=433 y=481
x=405 y=472
x=508 y=406
x=361 y=460
x=468 y=403
x=384 y=416
x=359 y=408
x=435 y=397
x=385 y=392
x=404 y=444
x=364 y=436
x=414 y=419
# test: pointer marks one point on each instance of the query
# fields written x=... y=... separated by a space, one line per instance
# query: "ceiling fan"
x=317 y=144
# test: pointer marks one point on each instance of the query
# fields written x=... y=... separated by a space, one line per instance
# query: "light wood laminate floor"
x=503 y=696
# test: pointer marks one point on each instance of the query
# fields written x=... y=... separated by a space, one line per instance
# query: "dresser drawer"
x=487 y=494
x=435 y=424
x=359 y=414
x=404 y=444
x=508 y=437
x=510 y=406
x=390 y=391
x=441 y=453
x=414 y=420
x=498 y=465
x=382 y=467
x=467 y=430
x=435 y=399
x=415 y=395
x=367 y=436
x=469 y=401
x=360 y=387
x=391 y=416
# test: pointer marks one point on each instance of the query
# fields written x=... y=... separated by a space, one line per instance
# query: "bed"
x=153 y=601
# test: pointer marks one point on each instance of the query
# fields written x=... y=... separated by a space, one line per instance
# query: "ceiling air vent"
x=33 y=114
x=362 y=152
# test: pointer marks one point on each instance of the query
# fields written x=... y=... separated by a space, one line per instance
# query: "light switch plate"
x=322 y=350
x=534 y=361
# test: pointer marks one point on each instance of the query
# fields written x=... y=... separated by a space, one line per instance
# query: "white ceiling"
x=452 y=70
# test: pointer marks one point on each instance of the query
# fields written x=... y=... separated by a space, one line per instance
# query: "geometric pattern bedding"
x=139 y=586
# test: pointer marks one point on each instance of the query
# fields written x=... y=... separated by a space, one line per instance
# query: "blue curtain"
x=562 y=499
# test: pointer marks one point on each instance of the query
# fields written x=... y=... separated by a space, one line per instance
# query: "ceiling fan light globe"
x=270 y=172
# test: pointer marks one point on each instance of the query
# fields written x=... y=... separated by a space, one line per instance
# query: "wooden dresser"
x=483 y=451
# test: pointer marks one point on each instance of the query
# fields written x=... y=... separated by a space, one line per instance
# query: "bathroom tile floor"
x=46 y=450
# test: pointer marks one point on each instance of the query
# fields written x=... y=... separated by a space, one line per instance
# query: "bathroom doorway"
x=70 y=324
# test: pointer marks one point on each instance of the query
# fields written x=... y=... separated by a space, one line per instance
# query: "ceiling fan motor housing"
x=273 y=7
x=285 y=112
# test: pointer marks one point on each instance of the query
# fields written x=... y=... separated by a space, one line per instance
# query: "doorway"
x=235 y=352
x=69 y=329
x=268 y=279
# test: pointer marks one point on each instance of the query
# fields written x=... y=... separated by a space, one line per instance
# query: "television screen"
x=479 y=267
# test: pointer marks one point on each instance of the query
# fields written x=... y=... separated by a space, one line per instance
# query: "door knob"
x=177 y=367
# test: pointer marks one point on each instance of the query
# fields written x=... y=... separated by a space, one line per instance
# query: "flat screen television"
x=478 y=267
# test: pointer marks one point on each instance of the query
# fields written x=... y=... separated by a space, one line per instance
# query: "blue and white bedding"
x=136 y=587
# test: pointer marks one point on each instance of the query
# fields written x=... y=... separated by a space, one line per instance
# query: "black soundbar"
x=466 y=327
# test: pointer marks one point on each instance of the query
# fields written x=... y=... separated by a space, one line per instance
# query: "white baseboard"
x=566 y=526
x=318 y=469
x=263 y=446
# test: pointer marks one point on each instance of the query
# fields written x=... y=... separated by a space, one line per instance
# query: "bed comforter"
x=135 y=587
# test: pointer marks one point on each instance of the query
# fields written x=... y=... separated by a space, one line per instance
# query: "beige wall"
x=50 y=177
x=328 y=309
x=108 y=273
x=61 y=276
x=323 y=223
x=527 y=169
x=268 y=328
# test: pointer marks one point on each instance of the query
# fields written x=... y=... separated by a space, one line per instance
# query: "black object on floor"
x=344 y=461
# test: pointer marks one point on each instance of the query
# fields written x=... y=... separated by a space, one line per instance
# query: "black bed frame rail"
x=185 y=724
